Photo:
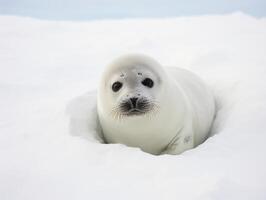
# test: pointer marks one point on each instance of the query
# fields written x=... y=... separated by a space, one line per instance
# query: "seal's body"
x=161 y=110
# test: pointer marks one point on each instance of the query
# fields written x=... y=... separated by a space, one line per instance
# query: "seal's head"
x=131 y=87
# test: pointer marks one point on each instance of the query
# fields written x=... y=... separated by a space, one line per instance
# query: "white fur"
x=185 y=111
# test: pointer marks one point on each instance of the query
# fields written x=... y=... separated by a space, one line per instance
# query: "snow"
x=49 y=74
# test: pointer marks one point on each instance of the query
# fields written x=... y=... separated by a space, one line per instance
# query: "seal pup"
x=160 y=110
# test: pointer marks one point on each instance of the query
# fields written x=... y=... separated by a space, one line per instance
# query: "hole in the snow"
x=225 y=100
x=84 y=121
x=83 y=118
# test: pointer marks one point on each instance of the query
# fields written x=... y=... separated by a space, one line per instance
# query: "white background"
x=49 y=72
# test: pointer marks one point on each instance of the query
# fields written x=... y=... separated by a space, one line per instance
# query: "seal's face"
x=133 y=91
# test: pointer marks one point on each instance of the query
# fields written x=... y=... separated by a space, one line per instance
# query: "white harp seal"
x=160 y=110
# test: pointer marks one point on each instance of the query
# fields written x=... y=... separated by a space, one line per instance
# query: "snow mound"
x=49 y=146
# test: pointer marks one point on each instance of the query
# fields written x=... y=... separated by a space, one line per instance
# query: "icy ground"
x=49 y=72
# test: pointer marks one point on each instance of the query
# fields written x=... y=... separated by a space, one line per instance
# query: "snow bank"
x=49 y=71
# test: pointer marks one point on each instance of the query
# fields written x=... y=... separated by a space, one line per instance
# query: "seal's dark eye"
x=116 y=86
x=147 y=82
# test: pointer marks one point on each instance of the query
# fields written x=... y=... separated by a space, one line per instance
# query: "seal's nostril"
x=134 y=101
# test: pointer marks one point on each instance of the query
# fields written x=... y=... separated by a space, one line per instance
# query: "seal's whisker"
x=115 y=113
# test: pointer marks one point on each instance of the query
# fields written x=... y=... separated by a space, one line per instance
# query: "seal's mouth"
x=135 y=111
x=135 y=107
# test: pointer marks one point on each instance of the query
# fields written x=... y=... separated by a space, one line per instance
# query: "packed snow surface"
x=49 y=72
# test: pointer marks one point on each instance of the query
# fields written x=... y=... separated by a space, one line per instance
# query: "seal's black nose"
x=134 y=101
